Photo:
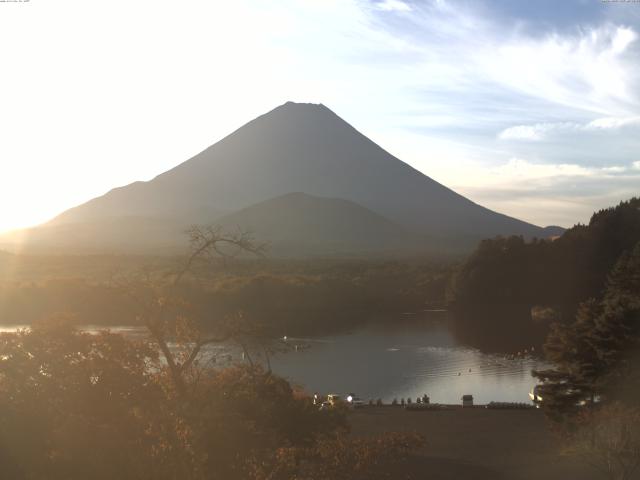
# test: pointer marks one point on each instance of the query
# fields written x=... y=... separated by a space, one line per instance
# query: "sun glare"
x=17 y=218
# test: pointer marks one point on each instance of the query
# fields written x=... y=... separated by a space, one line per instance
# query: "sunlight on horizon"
x=452 y=97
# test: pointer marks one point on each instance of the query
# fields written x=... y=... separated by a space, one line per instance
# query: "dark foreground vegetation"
x=584 y=290
x=509 y=291
x=78 y=406
x=593 y=392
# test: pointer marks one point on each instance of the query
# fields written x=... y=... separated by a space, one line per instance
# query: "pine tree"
x=596 y=357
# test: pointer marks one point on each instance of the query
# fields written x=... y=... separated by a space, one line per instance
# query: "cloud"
x=529 y=132
x=622 y=38
x=540 y=131
x=612 y=123
x=615 y=169
x=393 y=6
x=517 y=168
x=587 y=70
x=544 y=194
x=519 y=171
x=521 y=132
x=591 y=68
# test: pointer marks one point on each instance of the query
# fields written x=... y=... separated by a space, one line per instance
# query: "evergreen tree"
x=596 y=357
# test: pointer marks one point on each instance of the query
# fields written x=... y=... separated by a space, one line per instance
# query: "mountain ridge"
x=302 y=148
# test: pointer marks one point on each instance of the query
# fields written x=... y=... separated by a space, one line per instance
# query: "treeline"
x=303 y=297
x=506 y=279
x=592 y=391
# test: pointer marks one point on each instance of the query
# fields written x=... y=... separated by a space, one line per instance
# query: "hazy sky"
x=531 y=108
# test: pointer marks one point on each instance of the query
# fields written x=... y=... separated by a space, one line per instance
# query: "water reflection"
x=405 y=358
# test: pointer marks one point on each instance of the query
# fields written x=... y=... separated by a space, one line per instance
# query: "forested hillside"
x=506 y=279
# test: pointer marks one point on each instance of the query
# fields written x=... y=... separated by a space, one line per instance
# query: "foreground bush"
x=78 y=406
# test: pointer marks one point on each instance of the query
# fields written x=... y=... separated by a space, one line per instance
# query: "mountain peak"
x=300 y=109
x=308 y=105
x=301 y=147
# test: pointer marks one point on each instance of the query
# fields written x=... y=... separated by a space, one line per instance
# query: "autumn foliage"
x=78 y=406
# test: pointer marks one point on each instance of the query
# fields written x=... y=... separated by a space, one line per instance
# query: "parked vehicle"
x=350 y=401
x=354 y=402
x=534 y=395
x=332 y=400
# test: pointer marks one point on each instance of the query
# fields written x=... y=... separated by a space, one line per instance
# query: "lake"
x=404 y=359
x=408 y=359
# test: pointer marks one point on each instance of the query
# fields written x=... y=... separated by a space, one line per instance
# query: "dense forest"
x=597 y=356
x=579 y=297
x=292 y=297
x=591 y=392
x=509 y=291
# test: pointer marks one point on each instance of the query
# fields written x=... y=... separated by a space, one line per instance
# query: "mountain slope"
x=298 y=223
x=131 y=234
x=301 y=148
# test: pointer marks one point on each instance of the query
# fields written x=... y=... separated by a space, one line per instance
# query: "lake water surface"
x=400 y=359
x=408 y=359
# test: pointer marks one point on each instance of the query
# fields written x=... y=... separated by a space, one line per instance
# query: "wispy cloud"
x=612 y=123
x=532 y=132
x=520 y=169
x=393 y=6
x=540 y=131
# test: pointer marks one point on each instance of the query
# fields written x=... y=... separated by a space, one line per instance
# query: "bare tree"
x=162 y=309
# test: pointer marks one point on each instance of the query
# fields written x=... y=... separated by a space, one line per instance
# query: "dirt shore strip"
x=477 y=443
